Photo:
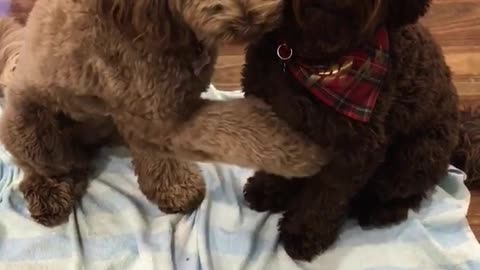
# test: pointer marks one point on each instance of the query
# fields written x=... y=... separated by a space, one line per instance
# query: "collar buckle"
x=284 y=52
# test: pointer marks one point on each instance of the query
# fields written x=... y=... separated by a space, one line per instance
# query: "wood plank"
x=456 y=26
x=474 y=213
x=228 y=68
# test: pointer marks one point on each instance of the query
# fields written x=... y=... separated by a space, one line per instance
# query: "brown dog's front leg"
x=247 y=133
x=175 y=186
x=55 y=167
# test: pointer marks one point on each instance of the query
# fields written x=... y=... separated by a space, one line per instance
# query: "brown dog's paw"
x=296 y=158
x=268 y=192
x=180 y=196
x=50 y=201
x=175 y=186
x=310 y=160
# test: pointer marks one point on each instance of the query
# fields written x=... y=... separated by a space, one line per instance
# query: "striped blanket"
x=115 y=227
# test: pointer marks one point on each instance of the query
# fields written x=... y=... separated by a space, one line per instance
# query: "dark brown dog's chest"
x=407 y=102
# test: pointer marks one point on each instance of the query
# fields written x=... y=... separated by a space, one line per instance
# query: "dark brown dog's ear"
x=403 y=12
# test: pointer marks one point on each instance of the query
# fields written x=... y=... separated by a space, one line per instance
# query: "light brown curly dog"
x=90 y=67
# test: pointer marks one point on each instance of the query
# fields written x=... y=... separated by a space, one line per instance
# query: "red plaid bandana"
x=352 y=86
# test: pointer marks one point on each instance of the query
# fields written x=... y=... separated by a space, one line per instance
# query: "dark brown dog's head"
x=210 y=20
x=334 y=25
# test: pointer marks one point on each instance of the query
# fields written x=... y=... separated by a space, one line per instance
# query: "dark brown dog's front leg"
x=315 y=215
x=247 y=133
x=313 y=220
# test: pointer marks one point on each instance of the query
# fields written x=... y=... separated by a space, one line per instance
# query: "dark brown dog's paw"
x=299 y=246
x=50 y=201
x=268 y=192
x=303 y=241
x=380 y=216
x=376 y=214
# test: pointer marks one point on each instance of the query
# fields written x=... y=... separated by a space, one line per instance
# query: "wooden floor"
x=456 y=25
x=474 y=213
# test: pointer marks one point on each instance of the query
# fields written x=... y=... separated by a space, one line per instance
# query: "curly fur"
x=89 y=69
x=380 y=169
x=11 y=40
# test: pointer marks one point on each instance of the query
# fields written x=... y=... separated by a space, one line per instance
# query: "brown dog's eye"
x=216 y=8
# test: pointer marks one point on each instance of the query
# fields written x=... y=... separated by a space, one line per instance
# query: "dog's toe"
x=50 y=201
x=178 y=196
x=267 y=192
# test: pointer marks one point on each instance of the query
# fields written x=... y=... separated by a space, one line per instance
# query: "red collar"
x=351 y=86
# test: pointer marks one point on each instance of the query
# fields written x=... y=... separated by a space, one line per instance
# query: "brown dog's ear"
x=403 y=12
x=19 y=9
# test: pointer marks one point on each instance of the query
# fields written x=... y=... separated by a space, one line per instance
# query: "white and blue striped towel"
x=115 y=227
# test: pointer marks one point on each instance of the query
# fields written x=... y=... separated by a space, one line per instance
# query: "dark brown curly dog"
x=89 y=68
x=364 y=78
